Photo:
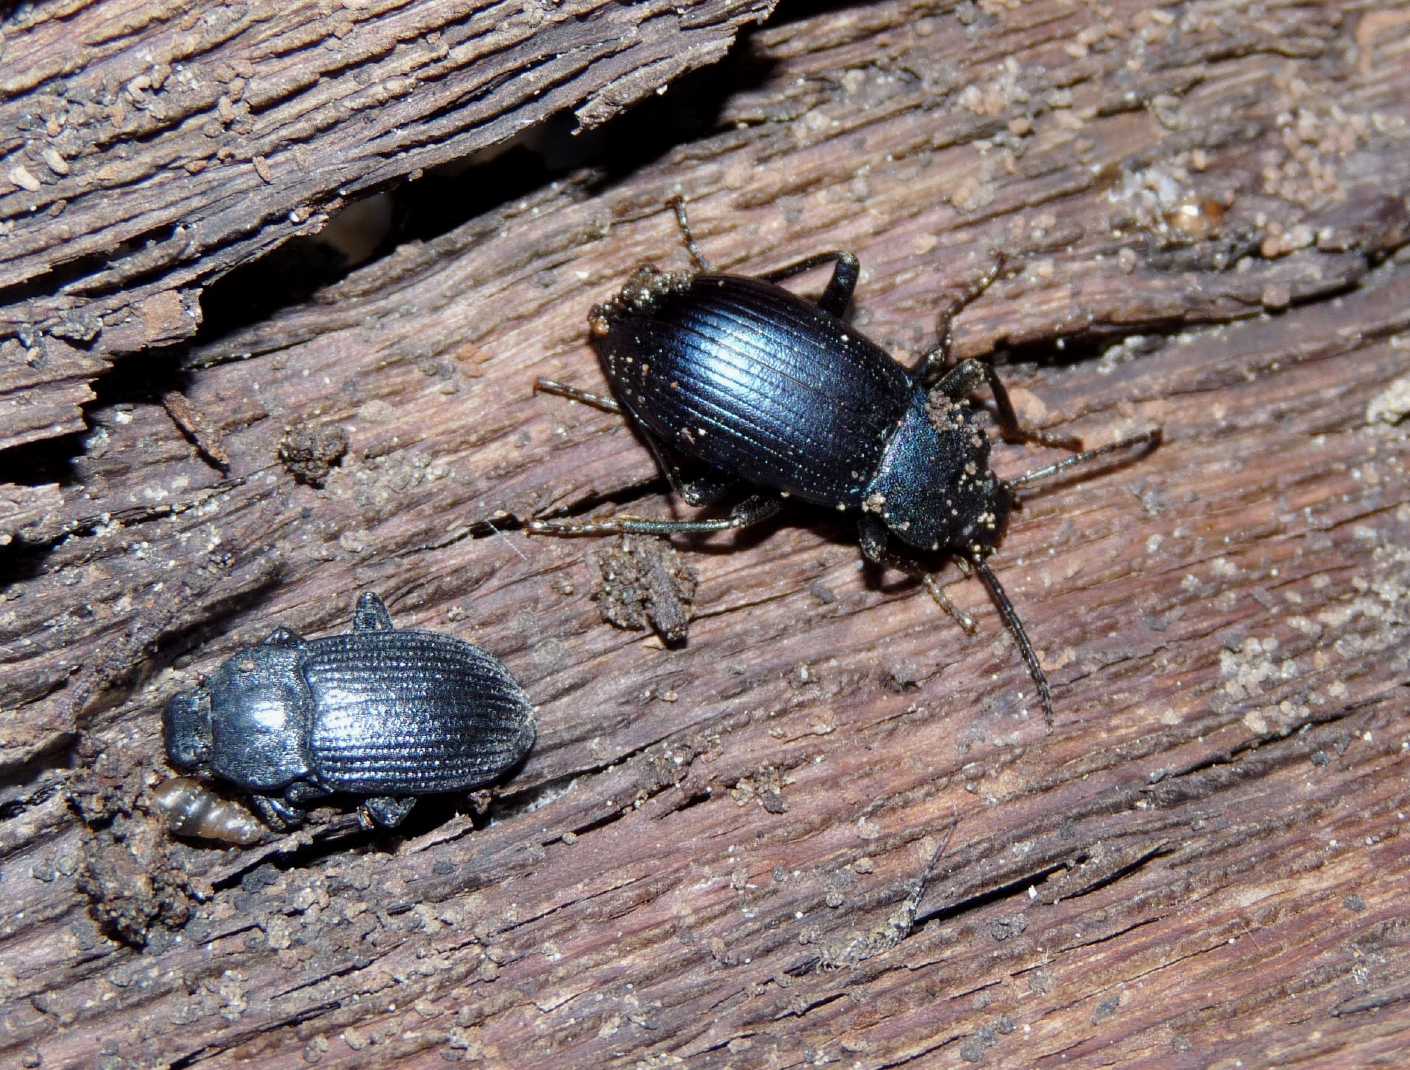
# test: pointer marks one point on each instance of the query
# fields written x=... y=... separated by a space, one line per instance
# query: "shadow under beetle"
x=382 y=713
x=739 y=385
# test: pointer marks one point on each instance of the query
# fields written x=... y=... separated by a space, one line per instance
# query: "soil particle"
x=645 y=583
x=309 y=453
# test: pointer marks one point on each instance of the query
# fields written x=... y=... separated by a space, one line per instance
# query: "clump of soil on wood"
x=309 y=453
x=645 y=583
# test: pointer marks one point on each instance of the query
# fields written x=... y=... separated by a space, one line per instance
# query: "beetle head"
x=186 y=724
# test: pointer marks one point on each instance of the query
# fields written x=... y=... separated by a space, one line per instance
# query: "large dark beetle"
x=380 y=713
x=741 y=386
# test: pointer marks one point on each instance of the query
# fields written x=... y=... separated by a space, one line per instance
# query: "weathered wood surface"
x=711 y=853
x=146 y=148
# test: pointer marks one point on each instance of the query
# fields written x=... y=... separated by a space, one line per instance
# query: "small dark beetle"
x=380 y=713
x=740 y=386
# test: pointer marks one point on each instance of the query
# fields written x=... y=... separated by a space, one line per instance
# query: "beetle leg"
x=838 y=294
x=933 y=364
x=966 y=377
x=387 y=812
x=871 y=537
x=371 y=614
x=960 y=617
x=696 y=483
x=751 y=511
x=276 y=813
x=572 y=393
x=703 y=487
x=282 y=636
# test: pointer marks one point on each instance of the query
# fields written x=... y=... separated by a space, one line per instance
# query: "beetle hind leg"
x=752 y=510
x=573 y=393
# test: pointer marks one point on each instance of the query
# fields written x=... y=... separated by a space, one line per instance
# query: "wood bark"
x=831 y=827
x=150 y=147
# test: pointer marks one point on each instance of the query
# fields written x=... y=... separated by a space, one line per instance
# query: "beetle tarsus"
x=963 y=619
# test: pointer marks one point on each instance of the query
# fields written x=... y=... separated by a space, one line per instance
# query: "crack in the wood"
x=1228 y=759
x=1018 y=886
x=1154 y=969
x=1370 y=1002
x=1160 y=850
x=799 y=1011
x=920 y=1053
x=1139 y=924
x=329 y=975
x=246 y=1035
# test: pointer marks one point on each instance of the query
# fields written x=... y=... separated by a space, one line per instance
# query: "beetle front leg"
x=933 y=364
x=967 y=376
x=872 y=538
x=751 y=511
x=960 y=617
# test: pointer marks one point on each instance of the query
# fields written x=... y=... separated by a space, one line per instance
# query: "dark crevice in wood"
x=1009 y=889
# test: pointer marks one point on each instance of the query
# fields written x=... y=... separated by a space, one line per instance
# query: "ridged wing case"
x=759 y=384
x=411 y=713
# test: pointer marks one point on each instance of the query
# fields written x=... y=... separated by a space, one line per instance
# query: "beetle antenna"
x=1149 y=438
x=1015 y=627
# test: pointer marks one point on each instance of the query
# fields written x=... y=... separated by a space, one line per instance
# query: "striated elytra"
x=745 y=390
x=379 y=713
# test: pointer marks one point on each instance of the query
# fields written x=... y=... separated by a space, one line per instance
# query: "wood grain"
x=148 y=148
x=715 y=855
